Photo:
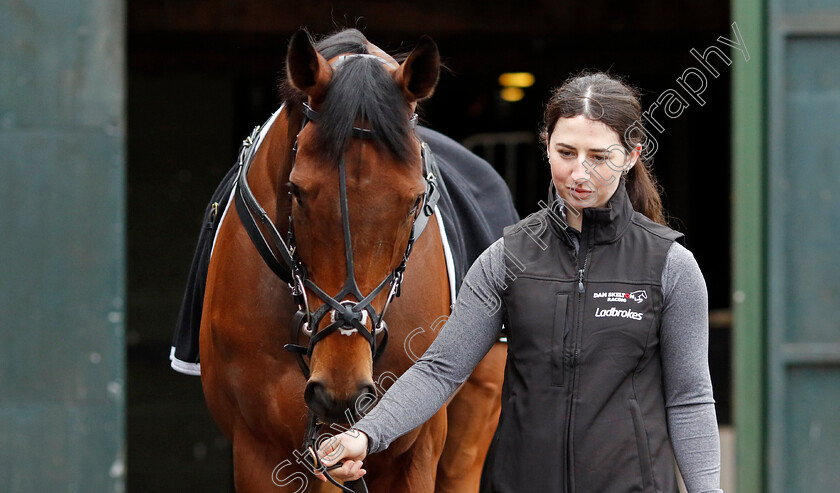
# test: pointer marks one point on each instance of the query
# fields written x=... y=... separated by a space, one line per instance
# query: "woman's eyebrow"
x=562 y=144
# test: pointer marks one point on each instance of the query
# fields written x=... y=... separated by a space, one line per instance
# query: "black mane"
x=361 y=90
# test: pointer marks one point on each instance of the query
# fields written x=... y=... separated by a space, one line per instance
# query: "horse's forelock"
x=347 y=41
x=362 y=89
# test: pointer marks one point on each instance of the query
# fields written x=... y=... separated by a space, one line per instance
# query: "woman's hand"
x=351 y=445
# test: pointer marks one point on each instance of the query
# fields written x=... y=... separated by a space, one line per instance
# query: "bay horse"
x=345 y=186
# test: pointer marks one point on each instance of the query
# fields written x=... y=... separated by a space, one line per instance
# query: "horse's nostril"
x=323 y=404
x=316 y=394
x=365 y=400
x=326 y=406
x=367 y=391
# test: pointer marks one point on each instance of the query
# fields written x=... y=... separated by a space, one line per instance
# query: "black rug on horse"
x=475 y=205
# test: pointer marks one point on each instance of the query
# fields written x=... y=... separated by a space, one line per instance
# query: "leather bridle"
x=346 y=316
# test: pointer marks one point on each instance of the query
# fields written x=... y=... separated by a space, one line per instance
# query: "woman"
x=607 y=376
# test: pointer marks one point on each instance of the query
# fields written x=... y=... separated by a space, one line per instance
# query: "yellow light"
x=516 y=79
x=512 y=94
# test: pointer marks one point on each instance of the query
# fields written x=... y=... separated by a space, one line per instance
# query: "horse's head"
x=356 y=188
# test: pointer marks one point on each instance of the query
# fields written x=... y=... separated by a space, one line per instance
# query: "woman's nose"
x=580 y=172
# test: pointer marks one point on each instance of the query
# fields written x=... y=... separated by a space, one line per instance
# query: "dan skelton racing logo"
x=637 y=296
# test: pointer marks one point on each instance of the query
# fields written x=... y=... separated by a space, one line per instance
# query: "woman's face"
x=587 y=160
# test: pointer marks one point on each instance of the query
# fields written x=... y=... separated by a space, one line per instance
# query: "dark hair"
x=362 y=89
x=607 y=99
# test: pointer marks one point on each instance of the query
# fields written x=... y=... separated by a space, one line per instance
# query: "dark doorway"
x=202 y=74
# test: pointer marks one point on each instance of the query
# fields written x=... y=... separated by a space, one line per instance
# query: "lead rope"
x=313 y=425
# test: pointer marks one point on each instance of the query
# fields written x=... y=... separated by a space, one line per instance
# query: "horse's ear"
x=418 y=75
x=306 y=69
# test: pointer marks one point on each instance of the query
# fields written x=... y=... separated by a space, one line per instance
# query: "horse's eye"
x=294 y=191
x=416 y=206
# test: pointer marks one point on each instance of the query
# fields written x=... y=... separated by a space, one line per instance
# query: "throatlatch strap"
x=257 y=238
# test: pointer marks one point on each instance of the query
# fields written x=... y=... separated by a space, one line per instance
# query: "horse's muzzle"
x=328 y=408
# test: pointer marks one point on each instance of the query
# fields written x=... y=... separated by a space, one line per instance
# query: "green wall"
x=803 y=247
x=748 y=237
x=786 y=231
x=62 y=259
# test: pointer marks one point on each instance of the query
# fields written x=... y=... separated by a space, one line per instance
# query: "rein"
x=345 y=316
x=313 y=425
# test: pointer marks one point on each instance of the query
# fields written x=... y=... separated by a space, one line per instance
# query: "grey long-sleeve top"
x=472 y=330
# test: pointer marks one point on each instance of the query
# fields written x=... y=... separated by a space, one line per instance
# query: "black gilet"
x=583 y=407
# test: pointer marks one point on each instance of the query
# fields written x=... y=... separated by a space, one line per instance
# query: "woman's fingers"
x=350 y=470
x=333 y=449
x=356 y=470
x=350 y=445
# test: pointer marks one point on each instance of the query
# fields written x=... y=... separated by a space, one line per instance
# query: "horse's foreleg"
x=418 y=465
x=473 y=415
x=410 y=462
x=259 y=466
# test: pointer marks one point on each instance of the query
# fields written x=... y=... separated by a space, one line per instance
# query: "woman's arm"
x=420 y=392
x=467 y=336
x=684 y=337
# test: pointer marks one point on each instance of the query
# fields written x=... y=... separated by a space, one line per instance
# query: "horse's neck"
x=273 y=164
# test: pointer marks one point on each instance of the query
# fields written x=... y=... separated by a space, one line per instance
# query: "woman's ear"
x=635 y=155
x=544 y=140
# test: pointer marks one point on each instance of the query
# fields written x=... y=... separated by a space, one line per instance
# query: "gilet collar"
x=601 y=224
